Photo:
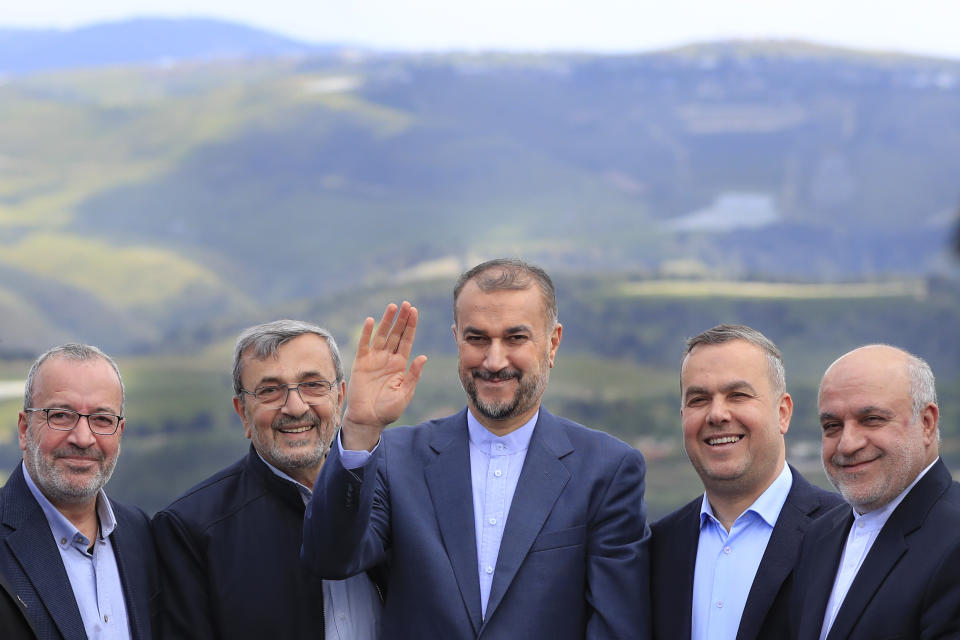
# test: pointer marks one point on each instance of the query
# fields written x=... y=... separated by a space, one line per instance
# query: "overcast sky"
x=915 y=26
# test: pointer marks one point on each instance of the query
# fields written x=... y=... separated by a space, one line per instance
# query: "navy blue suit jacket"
x=673 y=555
x=908 y=585
x=573 y=559
x=31 y=563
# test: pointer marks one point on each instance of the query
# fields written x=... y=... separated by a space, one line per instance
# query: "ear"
x=343 y=395
x=22 y=427
x=456 y=338
x=241 y=410
x=555 y=337
x=121 y=427
x=929 y=418
x=785 y=412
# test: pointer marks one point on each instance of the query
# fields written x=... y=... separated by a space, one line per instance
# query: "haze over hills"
x=154 y=209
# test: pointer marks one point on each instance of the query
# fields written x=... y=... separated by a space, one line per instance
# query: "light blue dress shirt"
x=351 y=607
x=495 y=465
x=728 y=562
x=94 y=576
x=866 y=527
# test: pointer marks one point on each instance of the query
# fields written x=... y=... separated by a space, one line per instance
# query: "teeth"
x=298 y=430
x=724 y=440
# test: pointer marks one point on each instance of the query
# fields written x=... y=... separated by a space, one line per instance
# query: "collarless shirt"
x=727 y=561
x=351 y=607
x=863 y=533
x=495 y=465
x=93 y=573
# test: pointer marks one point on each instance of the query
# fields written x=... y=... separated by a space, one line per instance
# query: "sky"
x=912 y=26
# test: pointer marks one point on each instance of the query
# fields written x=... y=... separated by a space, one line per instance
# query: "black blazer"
x=14 y=622
x=674 y=557
x=909 y=583
x=31 y=562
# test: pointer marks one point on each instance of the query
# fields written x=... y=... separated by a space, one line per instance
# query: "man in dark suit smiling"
x=721 y=565
x=889 y=567
x=501 y=521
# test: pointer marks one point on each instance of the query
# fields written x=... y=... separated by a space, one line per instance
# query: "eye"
x=475 y=339
x=60 y=415
x=830 y=428
x=873 y=421
x=696 y=401
x=102 y=420
x=517 y=339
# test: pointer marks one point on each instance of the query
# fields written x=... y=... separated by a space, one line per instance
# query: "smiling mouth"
x=296 y=430
x=719 y=440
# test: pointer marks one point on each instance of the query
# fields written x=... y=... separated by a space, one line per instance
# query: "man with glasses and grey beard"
x=230 y=546
x=82 y=565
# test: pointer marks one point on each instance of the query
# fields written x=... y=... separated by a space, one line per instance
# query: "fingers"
x=364 y=345
x=404 y=330
x=383 y=329
x=413 y=375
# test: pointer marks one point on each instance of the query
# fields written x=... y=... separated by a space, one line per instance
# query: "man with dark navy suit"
x=81 y=564
x=722 y=565
x=501 y=521
x=889 y=567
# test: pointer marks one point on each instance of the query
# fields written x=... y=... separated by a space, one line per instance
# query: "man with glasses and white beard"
x=81 y=564
x=231 y=545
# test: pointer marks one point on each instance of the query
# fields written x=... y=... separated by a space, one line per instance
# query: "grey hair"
x=510 y=274
x=263 y=341
x=923 y=390
x=723 y=333
x=70 y=351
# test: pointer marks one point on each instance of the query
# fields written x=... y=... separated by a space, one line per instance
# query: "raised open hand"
x=381 y=386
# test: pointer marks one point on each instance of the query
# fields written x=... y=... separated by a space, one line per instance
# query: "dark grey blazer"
x=673 y=554
x=31 y=563
x=909 y=583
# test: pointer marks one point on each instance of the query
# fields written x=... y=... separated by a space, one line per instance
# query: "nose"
x=495 y=357
x=82 y=436
x=294 y=404
x=718 y=413
x=851 y=439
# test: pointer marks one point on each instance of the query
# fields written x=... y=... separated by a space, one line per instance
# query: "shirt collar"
x=516 y=440
x=62 y=528
x=305 y=491
x=878 y=517
x=768 y=505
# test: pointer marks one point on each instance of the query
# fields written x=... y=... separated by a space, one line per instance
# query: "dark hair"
x=509 y=273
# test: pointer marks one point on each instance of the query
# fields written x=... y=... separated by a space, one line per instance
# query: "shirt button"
x=106 y=618
x=727 y=549
x=719 y=604
x=500 y=447
x=860 y=524
x=498 y=473
x=63 y=541
x=489 y=569
x=492 y=521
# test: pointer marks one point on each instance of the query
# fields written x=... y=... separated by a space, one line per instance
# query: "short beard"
x=57 y=486
x=283 y=459
x=529 y=391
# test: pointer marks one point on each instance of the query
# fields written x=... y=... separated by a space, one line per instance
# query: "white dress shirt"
x=866 y=527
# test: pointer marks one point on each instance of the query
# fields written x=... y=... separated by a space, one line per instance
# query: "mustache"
x=496 y=376
x=282 y=421
x=72 y=450
x=840 y=460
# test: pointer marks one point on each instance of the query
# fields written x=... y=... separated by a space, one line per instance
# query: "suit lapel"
x=542 y=479
x=822 y=569
x=779 y=557
x=33 y=546
x=680 y=596
x=889 y=547
x=450 y=486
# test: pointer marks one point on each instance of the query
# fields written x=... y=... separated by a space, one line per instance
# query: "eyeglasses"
x=275 y=395
x=102 y=424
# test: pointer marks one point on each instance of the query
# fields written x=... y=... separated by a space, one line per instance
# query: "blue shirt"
x=495 y=465
x=728 y=562
x=93 y=575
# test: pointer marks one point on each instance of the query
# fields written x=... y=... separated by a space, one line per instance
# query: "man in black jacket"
x=230 y=547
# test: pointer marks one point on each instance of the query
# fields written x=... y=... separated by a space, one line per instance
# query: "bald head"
x=879 y=419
